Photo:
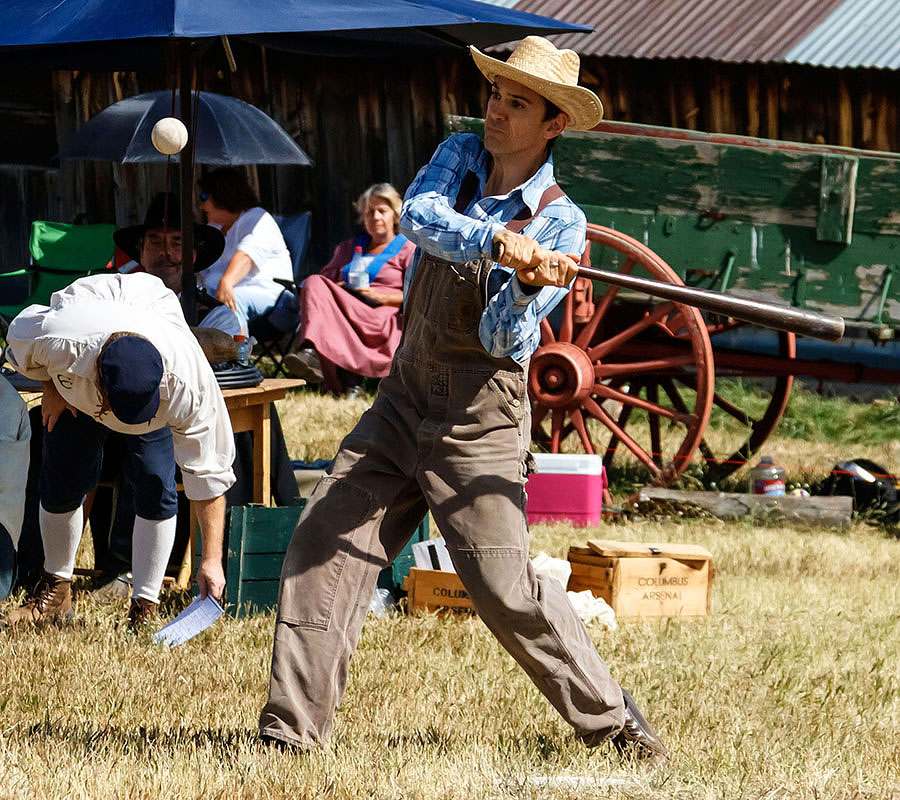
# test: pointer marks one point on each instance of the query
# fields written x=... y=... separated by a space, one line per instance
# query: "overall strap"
x=519 y=221
x=469 y=187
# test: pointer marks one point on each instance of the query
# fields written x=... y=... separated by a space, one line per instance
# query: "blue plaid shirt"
x=510 y=324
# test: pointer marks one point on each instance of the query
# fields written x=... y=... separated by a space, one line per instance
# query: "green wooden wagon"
x=811 y=226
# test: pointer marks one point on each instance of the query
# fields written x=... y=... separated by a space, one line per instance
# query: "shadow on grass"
x=140 y=740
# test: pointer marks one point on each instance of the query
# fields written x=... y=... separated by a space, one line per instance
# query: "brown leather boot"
x=141 y=613
x=637 y=739
x=305 y=364
x=49 y=601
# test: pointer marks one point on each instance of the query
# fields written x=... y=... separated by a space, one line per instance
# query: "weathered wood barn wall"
x=849 y=107
x=367 y=120
x=360 y=120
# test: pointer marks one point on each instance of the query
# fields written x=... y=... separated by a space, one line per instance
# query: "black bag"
x=870 y=485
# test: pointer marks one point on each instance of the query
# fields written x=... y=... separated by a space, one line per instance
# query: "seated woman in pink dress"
x=348 y=332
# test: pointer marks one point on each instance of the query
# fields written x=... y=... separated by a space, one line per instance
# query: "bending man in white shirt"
x=113 y=352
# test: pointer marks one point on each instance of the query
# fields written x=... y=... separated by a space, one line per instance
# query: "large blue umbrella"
x=292 y=24
x=229 y=131
x=125 y=34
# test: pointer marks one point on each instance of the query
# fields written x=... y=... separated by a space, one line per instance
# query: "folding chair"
x=60 y=253
x=276 y=331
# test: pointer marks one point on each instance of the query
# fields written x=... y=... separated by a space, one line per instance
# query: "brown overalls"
x=449 y=431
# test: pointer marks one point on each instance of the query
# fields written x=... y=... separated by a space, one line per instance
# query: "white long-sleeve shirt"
x=61 y=344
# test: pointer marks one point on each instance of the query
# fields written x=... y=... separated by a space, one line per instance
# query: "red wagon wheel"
x=635 y=374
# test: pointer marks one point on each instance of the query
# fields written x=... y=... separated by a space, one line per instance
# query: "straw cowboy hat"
x=552 y=73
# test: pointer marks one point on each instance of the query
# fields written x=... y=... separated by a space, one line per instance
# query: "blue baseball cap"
x=131 y=371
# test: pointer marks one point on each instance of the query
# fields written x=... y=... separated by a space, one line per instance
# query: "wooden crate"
x=258 y=538
x=432 y=589
x=644 y=580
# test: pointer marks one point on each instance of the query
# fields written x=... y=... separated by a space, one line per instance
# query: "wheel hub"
x=561 y=375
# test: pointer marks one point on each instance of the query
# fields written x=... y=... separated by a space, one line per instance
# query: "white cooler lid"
x=568 y=463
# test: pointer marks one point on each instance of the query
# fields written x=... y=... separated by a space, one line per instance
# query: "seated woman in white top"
x=255 y=253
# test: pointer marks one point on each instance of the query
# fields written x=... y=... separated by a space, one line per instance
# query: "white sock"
x=61 y=534
x=151 y=546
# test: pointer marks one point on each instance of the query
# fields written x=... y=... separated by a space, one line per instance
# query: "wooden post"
x=262 y=491
x=188 y=283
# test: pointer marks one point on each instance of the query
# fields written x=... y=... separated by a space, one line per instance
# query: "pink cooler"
x=566 y=486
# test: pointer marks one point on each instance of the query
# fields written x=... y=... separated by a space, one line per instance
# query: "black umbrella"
x=229 y=131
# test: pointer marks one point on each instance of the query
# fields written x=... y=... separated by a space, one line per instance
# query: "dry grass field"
x=790 y=688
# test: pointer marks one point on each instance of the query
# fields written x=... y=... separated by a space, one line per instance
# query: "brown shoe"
x=49 y=601
x=141 y=613
x=305 y=364
x=637 y=739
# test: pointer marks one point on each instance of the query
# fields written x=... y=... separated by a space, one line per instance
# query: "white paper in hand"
x=196 y=618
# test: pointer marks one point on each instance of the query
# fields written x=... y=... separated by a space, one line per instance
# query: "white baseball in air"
x=169 y=136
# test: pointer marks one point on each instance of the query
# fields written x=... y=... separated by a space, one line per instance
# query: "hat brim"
x=581 y=105
x=208 y=242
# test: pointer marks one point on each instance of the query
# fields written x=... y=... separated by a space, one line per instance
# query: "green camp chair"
x=60 y=253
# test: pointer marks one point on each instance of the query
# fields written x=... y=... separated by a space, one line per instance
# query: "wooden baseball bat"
x=767 y=315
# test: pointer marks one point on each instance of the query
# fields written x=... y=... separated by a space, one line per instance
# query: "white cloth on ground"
x=588 y=607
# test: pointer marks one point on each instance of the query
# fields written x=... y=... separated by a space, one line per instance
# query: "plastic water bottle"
x=243 y=350
x=766 y=478
x=382 y=602
x=358 y=276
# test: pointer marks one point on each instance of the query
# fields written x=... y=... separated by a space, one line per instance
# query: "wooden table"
x=248 y=410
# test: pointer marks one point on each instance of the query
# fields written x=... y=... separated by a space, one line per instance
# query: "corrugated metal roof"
x=835 y=33
x=858 y=33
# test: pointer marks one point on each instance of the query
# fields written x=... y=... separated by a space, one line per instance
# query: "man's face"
x=161 y=256
x=514 y=121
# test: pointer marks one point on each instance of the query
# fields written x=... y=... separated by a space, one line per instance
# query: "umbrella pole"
x=186 y=185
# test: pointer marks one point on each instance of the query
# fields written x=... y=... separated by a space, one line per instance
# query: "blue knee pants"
x=73 y=457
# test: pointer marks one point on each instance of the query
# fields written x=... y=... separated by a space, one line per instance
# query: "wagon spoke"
x=587 y=333
x=547 y=335
x=595 y=410
x=651 y=407
x=598 y=351
x=733 y=410
x=602 y=371
x=709 y=457
x=556 y=423
x=567 y=325
x=578 y=422
x=624 y=414
x=538 y=434
x=655 y=440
